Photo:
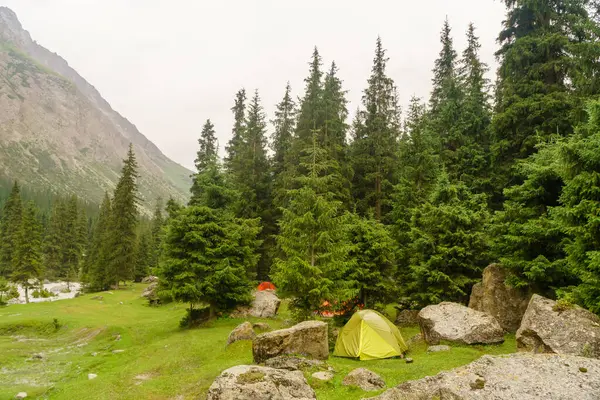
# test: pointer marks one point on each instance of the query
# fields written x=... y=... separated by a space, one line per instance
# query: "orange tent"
x=266 y=286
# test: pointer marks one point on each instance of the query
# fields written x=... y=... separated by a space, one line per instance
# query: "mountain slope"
x=56 y=130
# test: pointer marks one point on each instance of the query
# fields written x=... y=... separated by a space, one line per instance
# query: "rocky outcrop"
x=407 y=318
x=364 y=379
x=265 y=304
x=294 y=363
x=251 y=382
x=308 y=338
x=59 y=133
x=150 y=279
x=496 y=298
x=151 y=292
x=241 y=332
x=518 y=376
x=549 y=328
x=454 y=322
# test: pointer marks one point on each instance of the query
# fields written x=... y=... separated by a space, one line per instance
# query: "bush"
x=197 y=316
x=43 y=293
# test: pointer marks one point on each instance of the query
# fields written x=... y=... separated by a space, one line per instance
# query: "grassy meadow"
x=159 y=361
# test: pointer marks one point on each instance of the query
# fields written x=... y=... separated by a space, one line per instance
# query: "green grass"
x=160 y=360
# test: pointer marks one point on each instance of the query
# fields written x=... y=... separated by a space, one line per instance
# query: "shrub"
x=195 y=318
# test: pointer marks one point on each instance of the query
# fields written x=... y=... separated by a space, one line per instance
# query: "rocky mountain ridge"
x=58 y=131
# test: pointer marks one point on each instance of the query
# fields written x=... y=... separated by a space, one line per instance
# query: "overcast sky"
x=167 y=66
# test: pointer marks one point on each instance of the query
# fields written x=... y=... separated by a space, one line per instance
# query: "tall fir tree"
x=96 y=267
x=206 y=156
x=284 y=126
x=375 y=145
x=11 y=225
x=313 y=240
x=156 y=238
x=27 y=258
x=123 y=224
x=143 y=255
x=234 y=147
x=311 y=115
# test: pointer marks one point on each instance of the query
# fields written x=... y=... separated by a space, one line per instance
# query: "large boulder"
x=251 y=382
x=549 y=328
x=265 y=304
x=151 y=291
x=496 y=298
x=517 y=376
x=308 y=338
x=454 y=322
x=150 y=279
x=243 y=331
x=364 y=379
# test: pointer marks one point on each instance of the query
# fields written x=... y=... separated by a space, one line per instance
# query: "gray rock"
x=364 y=379
x=409 y=360
x=454 y=322
x=265 y=304
x=92 y=376
x=324 y=376
x=243 y=331
x=151 y=291
x=438 y=348
x=407 y=318
x=21 y=395
x=494 y=297
x=293 y=363
x=308 y=338
x=117 y=338
x=548 y=329
x=97 y=298
x=261 y=326
x=94 y=354
x=118 y=351
x=251 y=382
x=521 y=376
x=37 y=356
x=150 y=279
x=415 y=339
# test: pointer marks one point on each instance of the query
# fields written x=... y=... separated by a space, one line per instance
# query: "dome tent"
x=368 y=336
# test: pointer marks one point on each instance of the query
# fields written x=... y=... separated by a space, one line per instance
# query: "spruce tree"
x=336 y=113
x=284 y=124
x=71 y=243
x=143 y=256
x=311 y=115
x=236 y=144
x=54 y=241
x=207 y=259
x=374 y=150
x=313 y=240
x=27 y=258
x=11 y=226
x=124 y=219
x=448 y=244
x=96 y=274
x=156 y=238
x=206 y=156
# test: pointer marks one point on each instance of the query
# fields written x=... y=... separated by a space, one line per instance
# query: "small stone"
x=409 y=360
x=364 y=379
x=94 y=354
x=117 y=338
x=582 y=369
x=97 y=298
x=21 y=395
x=37 y=356
x=120 y=302
x=118 y=351
x=92 y=376
x=479 y=383
x=438 y=348
x=324 y=376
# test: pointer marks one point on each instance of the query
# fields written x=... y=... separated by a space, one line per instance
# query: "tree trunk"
x=212 y=311
x=26 y=295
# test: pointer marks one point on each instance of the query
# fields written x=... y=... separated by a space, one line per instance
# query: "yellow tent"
x=369 y=335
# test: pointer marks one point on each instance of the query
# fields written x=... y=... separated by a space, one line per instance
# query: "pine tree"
x=311 y=115
x=9 y=229
x=54 y=241
x=207 y=256
x=143 y=256
x=374 y=150
x=448 y=244
x=313 y=238
x=27 y=252
x=336 y=113
x=156 y=238
x=534 y=98
x=206 y=157
x=235 y=145
x=124 y=219
x=96 y=274
x=284 y=124
x=374 y=252
x=71 y=243
x=446 y=108
x=173 y=207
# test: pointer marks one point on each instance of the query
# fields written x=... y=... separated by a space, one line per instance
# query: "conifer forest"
x=372 y=205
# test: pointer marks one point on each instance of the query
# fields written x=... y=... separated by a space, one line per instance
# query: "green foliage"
x=448 y=245
x=206 y=258
x=95 y=268
x=43 y=293
x=10 y=229
x=143 y=257
x=207 y=155
x=27 y=257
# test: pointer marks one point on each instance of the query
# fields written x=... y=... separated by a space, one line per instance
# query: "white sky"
x=167 y=66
